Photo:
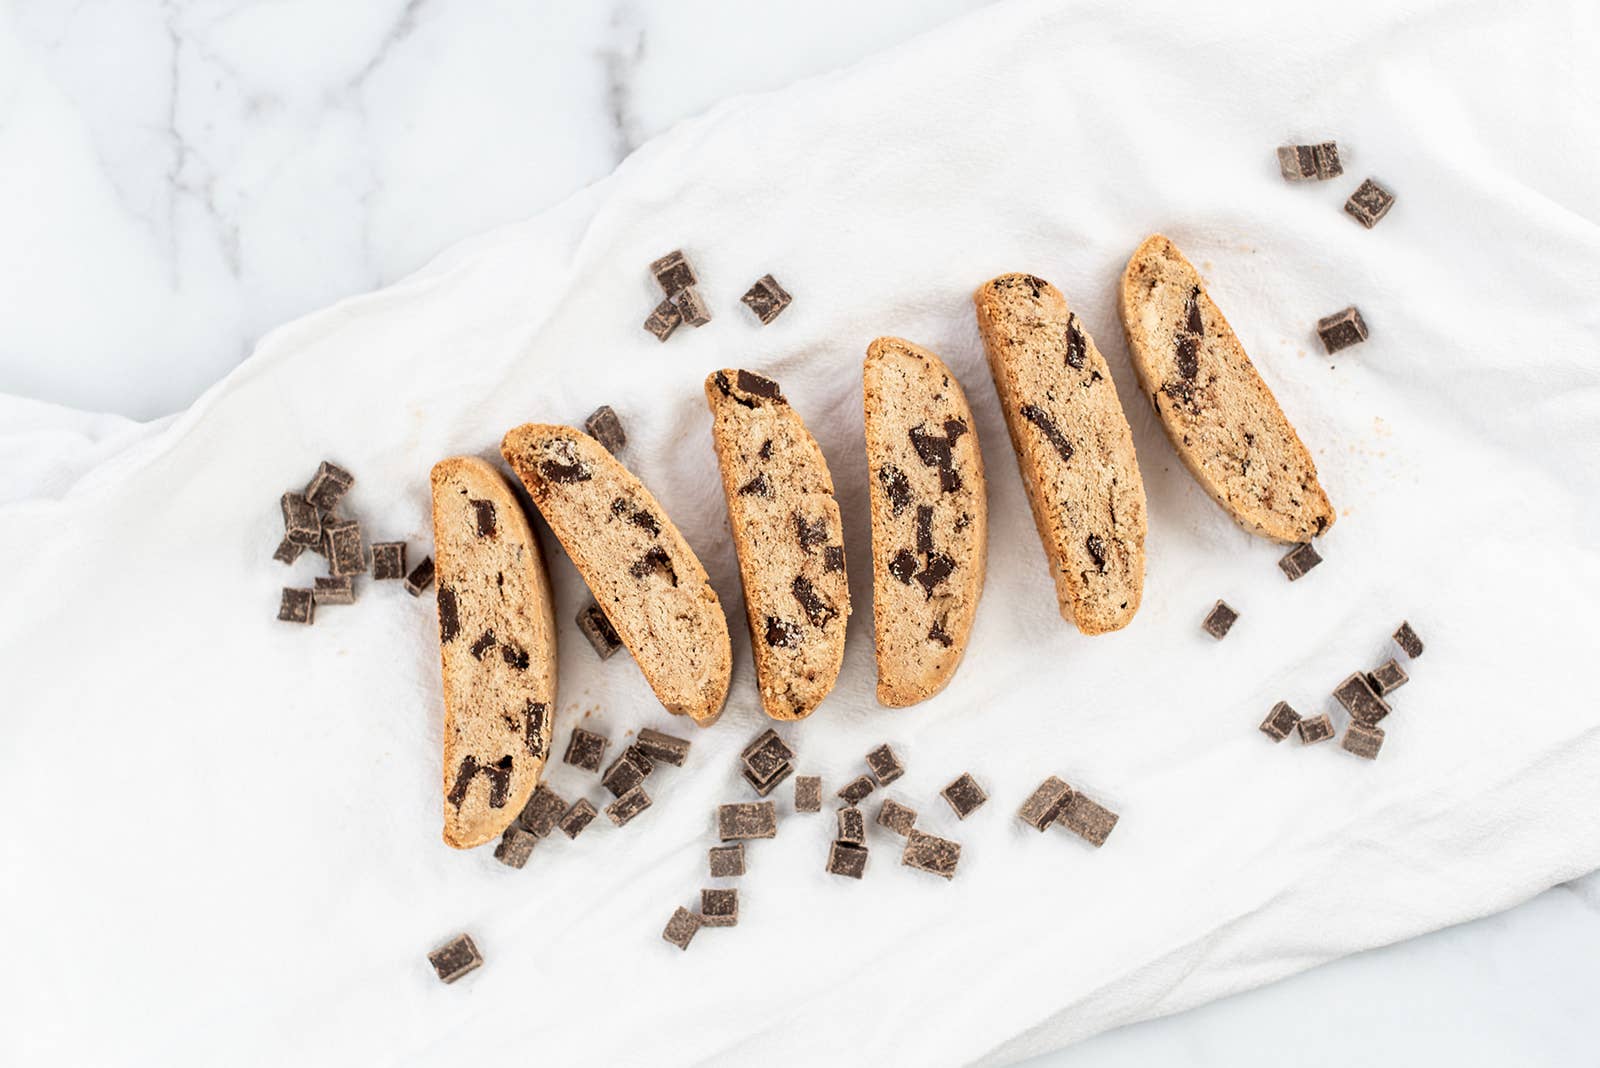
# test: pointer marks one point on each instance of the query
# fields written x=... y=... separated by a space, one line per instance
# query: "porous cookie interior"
x=789 y=537
x=929 y=518
x=1221 y=417
x=1073 y=447
x=497 y=648
x=635 y=562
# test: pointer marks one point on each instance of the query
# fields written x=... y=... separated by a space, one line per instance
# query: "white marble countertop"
x=179 y=176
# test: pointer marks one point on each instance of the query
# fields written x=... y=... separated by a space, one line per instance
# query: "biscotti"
x=497 y=647
x=1221 y=417
x=789 y=539
x=930 y=518
x=642 y=573
x=1073 y=447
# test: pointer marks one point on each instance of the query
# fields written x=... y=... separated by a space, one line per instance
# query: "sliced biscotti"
x=1073 y=446
x=497 y=646
x=930 y=518
x=789 y=538
x=640 y=570
x=1221 y=417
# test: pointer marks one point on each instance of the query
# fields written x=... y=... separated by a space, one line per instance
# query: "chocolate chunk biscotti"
x=1073 y=446
x=636 y=563
x=789 y=538
x=497 y=644
x=1221 y=417
x=930 y=518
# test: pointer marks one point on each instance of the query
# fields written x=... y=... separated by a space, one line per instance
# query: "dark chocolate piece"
x=1280 y=721
x=852 y=826
x=897 y=817
x=759 y=386
x=585 y=749
x=1220 y=620
x=655 y=561
x=783 y=633
x=328 y=486
x=515 y=847
x=534 y=714
x=937 y=633
x=719 y=907
x=938 y=569
x=896 y=486
x=389 y=560
x=766 y=755
x=1327 y=156
x=1407 y=640
x=1315 y=729
x=1076 y=350
x=1045 y=804
x=627 y=771
x=287 y=551
x=1097 y=552
x=498 y=773
x=1361 y=700
x=757 y=487
x=930 y=853
x=938 y=450
x=628 y=806
x=487 y=521
x=543 y=811
x=847 y=860
x=747 y=819
x=455 y=959
x=563 y=466
x=817 y=609
x=808 y=793
x=301 y=524
x=334 y=590
x=1047 y=426
x=726 y=862
x=604 y=426
x=576 y=818
x=663 y=747
x=662 y=322
x=449 y=617
x=833 y=558
x=1385 y=678
x=1088 y=820
x=623 y=508
x=924 y=528
x=811 y=534
x=964 y=795
x=1369 y=203
x=342 y=544
x=1362 y=740
x=763 y=787
x=597 y=628
x=692 y=306
x=885 y=766
x=673 y=273
x=903 y=566
x=297 y=605
x=857 y=789
x=766 y=298
x=1297 y=162
x=1342 y=329
x=681 y=929
x=421 y=577
x=482 y=645
x=514 y=655
x=1300 y=559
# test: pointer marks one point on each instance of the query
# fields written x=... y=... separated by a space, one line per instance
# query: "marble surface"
x=179 y=176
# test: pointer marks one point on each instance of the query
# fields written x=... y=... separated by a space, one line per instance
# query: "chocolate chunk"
x=1097 y=552
x=328 y=486
x=833 y=558
x=810 y=534
x=655 y=561
x=534 y=716
x=964 y=795
x=482 y=645
x=885 y=766
x=726 y=862
x=747 y=819
x=301 y=524
x=852 y=826
x=930 y=853
x=345 y=554
x=1342 y=329
x=766 y=450
x=896 y=486
x=334 y=590
x=924 y=528
x=625 y=509
x=1192 y=322
x=938 y=450
x=514 y=655
x=455 y=959
x=759 y=386
x=897 y=817
x=484 y=512
x=937 y=633
x=766 y=298
x=1315 y=729
x=576 y=818
x=1077 y=351
x=1187 y=338
x=562 y=465
x=903 y=566
x=763 y=787
x=421 y=577
x=297 y=606
x=757 y=487
x=663 y=748
x=1297 y=162
x=662 y=322
x=857 y=789
x=543 y=811
x=1300 y=559
x=1280 y=721
x=1369 y=203
x=1045 y=804
x=719 y=907
x=937 y=570
x=1385 y=678
x=817 y=610
x=1407 y=640
x=585 y=749
x=604 y=426
x=1220 y=620
x=388 y=559
x=597 y=628
x=681 y=929
x=515 y=847
x=1360 y=700
x=449 y=616
x=782 y=633
x=673 y=273
x=692 y=307
x=498 y=774
x=808 y=793
x=765 y=756
x=627 y=771
x=847 y=860
x=629 y=805
x=1086 y=819
x=287 y=551
x=1327 y=156
x=1047 y=426
x=1362 y=740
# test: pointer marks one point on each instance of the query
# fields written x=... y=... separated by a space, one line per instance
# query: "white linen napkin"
x=225 y=841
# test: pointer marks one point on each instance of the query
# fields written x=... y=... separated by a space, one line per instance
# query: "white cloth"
x=225 y=847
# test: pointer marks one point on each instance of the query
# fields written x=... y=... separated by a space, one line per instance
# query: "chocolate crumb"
x=1045 y=803
x=766 y=298
x=885 y=766
x=1407 y=640
x=455 y=959
x=930 y=853
x=1300 y=559
x=1362 y=740
x=1341 y=330
x=900 y=819
x=1316 y=729
x=681 y=929
x=1220 y=620
x=964 y=795
x=388 y=560
x=719 y=907
x=515 y=847
x=808 y=793
x=421 y=577
x=297 y=606
x=576 y=818
x=856 y=790
x=628 y=806
x=847 y=860
x=597 y=628
x=604 y=426
x=585 y=749
x=1359 y=699
x=1280 y=721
